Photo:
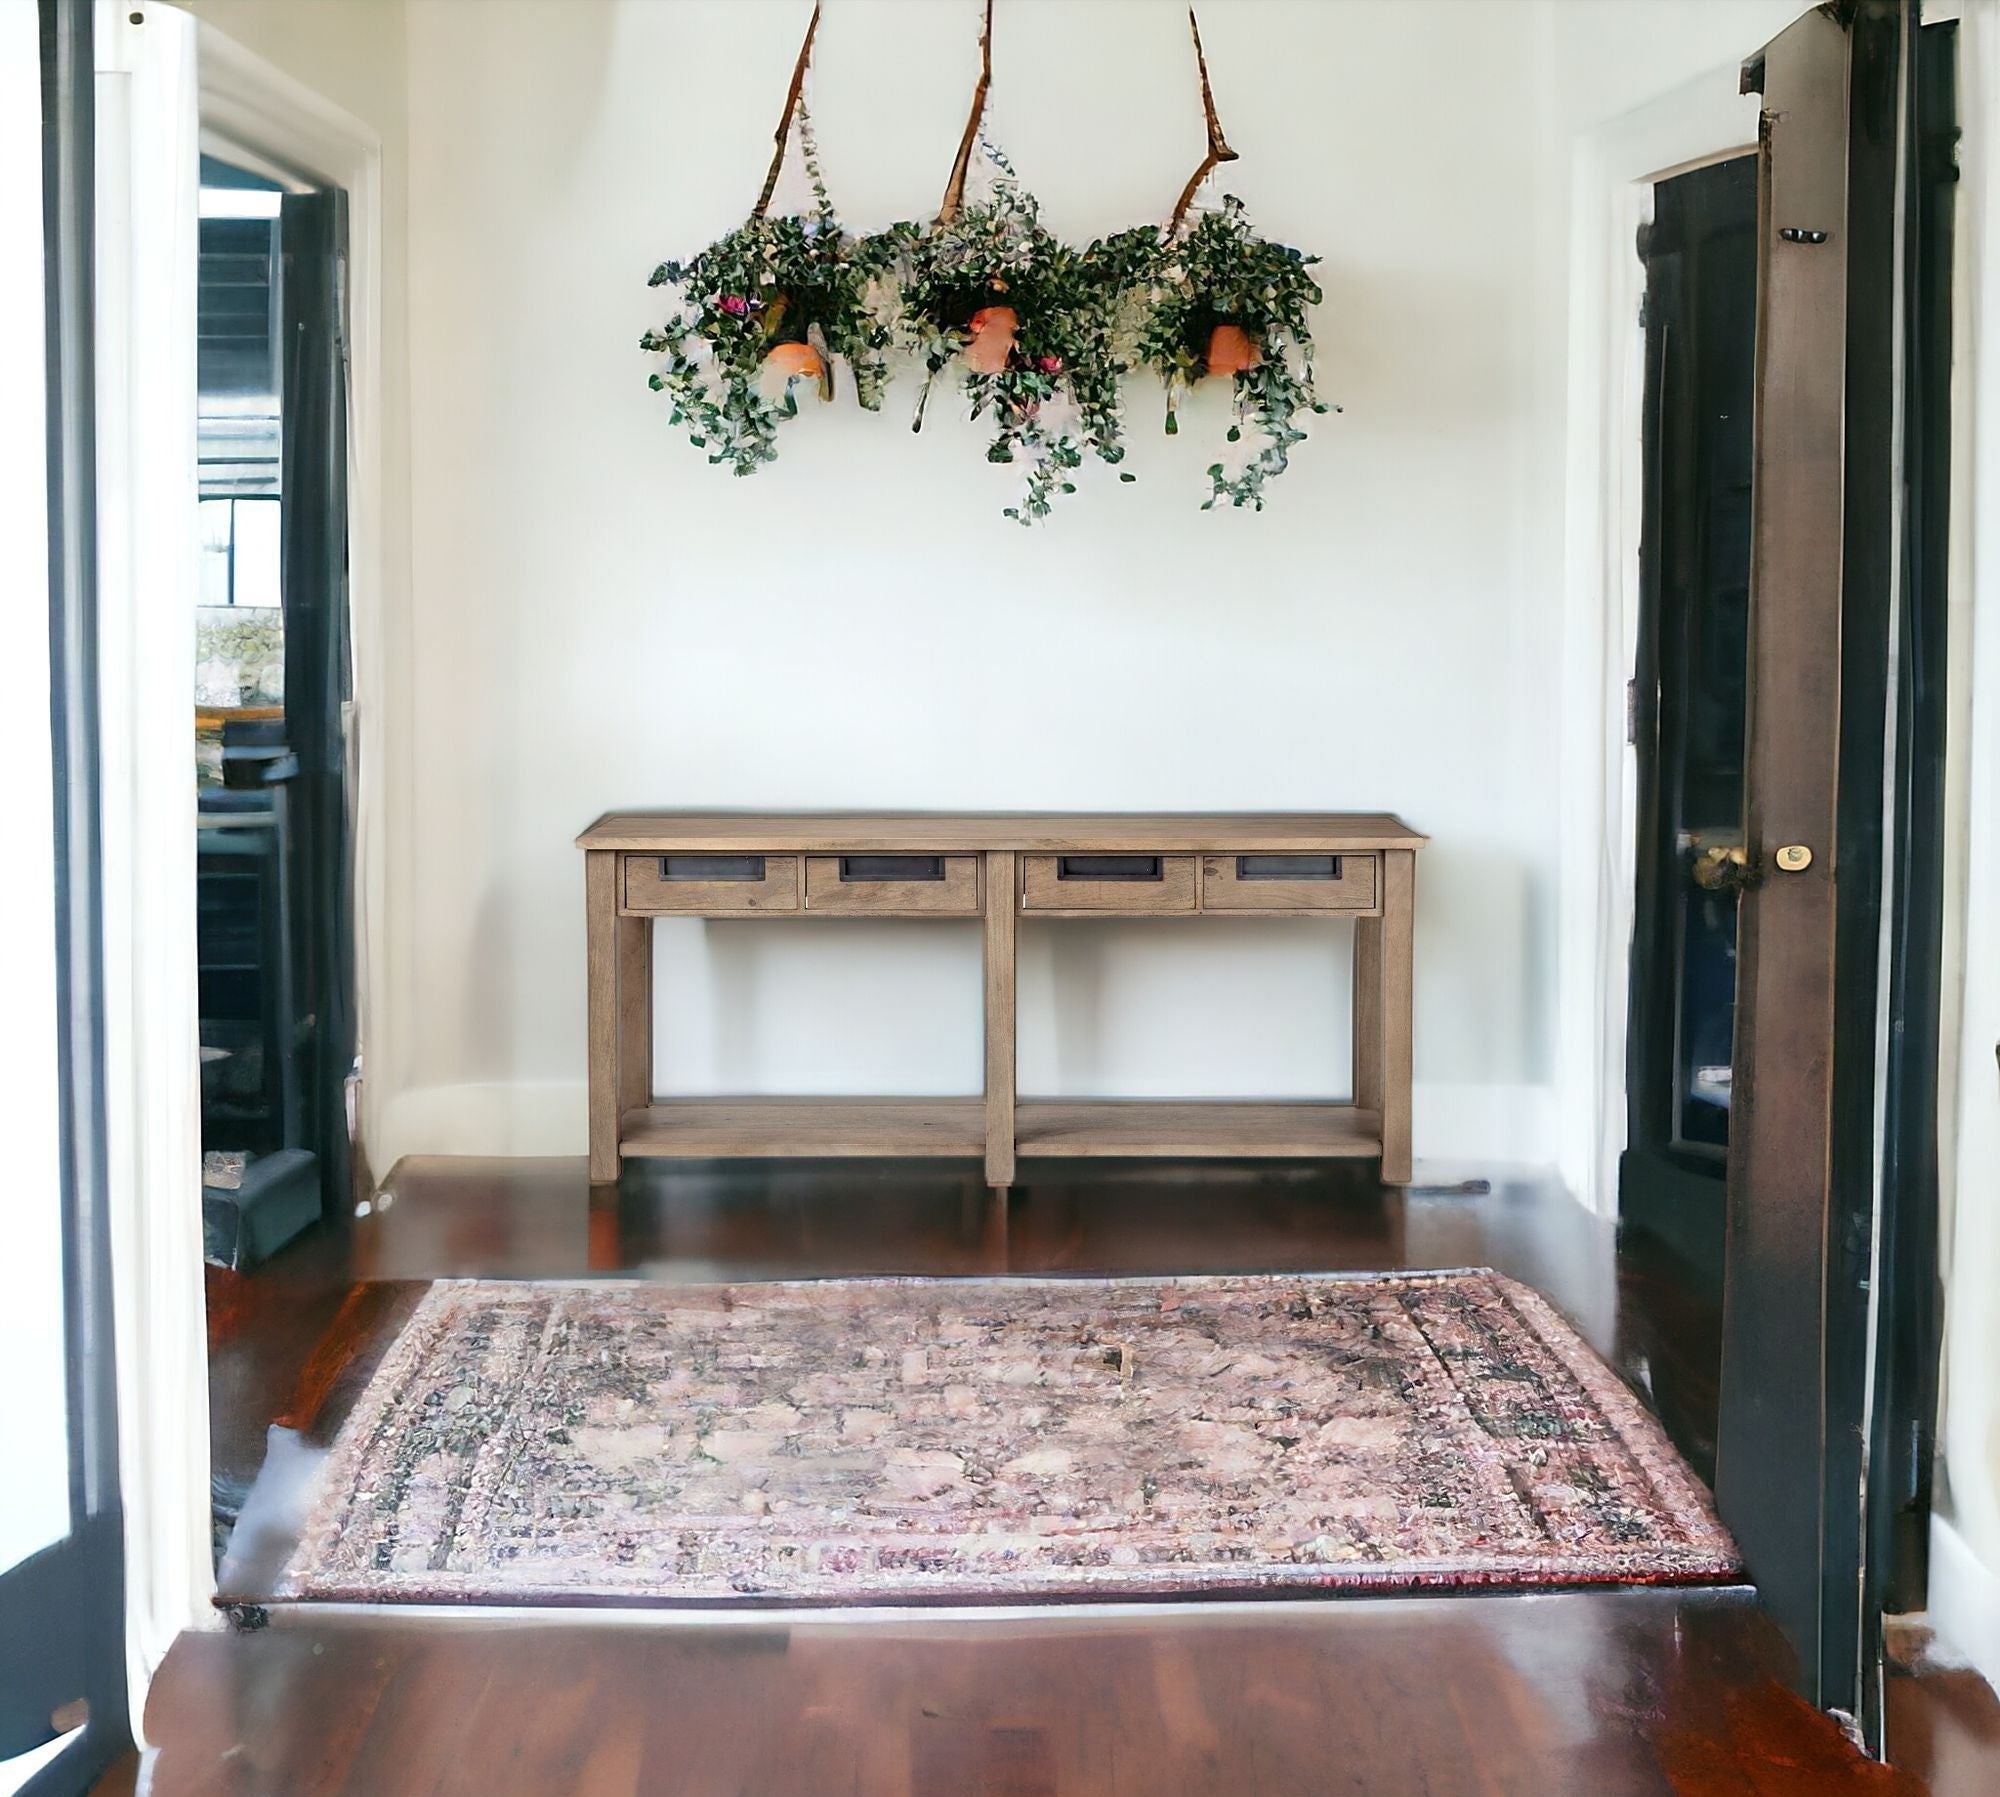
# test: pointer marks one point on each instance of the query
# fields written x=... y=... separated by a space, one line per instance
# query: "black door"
x=1700 y=253
x=318 y=661
x=1903 y=1415
x=1807 y=1203
x=1768 y=732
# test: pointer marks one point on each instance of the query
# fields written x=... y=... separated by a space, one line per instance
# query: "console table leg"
x=1002 y=885
x=1396 y=987
x=605 y=1032
x=1368 y=1014
x=635 y=1013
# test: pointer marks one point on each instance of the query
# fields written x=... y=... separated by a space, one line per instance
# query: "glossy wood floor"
x=1524 y=1696
x=1601 y=1693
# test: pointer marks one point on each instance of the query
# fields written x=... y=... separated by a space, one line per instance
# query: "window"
x=240 y=551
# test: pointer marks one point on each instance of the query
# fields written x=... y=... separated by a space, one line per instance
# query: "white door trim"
x=147 y=579
x=164 y=81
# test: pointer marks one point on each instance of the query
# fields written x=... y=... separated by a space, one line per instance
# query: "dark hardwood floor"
x=1590 y=1692
x=1943 y=1724
x=1590 y=1695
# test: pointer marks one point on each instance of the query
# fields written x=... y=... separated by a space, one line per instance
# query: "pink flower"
x=735 y=305
x=1050 y=364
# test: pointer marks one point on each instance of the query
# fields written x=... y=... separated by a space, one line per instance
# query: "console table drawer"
x=710 y=885
x=1288 y=882
x=884 y=885
x=1146 y=884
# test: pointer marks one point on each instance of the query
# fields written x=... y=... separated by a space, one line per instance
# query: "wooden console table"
x=997 y=867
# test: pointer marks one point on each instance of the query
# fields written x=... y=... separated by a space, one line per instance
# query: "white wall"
x=599 y=619
x=1965 y=1582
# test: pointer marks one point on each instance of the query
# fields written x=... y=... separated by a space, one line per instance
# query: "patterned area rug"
x=905 y=1440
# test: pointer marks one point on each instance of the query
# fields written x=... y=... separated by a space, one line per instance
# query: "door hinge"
x=1632 y=713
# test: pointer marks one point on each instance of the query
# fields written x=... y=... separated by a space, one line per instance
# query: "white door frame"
x=248 y=111
x=1611 y=194
x=1965 y=1524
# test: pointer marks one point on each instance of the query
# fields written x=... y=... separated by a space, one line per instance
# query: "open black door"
x=1903 y=1411
x=1824 y=597
x=319 y=664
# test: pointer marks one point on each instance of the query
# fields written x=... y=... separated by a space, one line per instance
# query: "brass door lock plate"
x=1794 y=858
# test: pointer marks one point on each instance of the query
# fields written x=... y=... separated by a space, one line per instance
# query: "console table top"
x=1053 y=832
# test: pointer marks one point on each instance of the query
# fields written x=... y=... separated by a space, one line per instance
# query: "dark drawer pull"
x=1288 y=867
x=1108 y=867
x=711 y=867
x=891 y=867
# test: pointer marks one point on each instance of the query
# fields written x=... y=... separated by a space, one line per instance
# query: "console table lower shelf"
x=1049 y=1129
x=996 y=869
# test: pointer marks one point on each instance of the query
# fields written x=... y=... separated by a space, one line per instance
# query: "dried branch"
x=1218 y=150
x=954 y=192
x=784 y=132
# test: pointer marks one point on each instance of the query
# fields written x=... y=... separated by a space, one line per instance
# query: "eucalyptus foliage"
x=770 y=281
x=1180 y=286
x=1057 y=397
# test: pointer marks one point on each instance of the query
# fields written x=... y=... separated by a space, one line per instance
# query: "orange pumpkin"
x=1231 y=350
x=990 y=339
x=788 y=362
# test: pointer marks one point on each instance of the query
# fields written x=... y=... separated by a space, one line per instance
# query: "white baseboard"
x=1503 y=1125
x=1964 y=1601
x=480 y=1119
x=1495 y=1125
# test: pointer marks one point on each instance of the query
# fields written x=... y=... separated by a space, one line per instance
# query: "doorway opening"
x=273 y=690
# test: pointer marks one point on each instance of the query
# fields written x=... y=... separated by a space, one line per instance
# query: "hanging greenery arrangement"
x=1217 y=300
x=768 y=309
x=1036 y=333
x=1027 y=323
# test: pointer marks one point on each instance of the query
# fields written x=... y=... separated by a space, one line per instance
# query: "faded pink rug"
x=913 y=1440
